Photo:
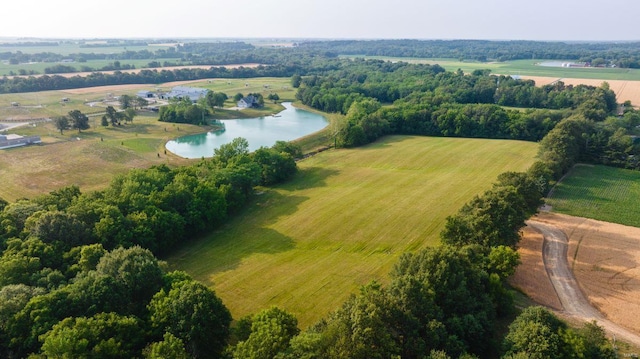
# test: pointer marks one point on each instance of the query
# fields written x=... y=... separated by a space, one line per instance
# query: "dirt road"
x=574 y=303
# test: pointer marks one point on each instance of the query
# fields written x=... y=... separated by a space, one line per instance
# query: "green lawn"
x=599 y=192
x=524 y=68
x=344 y=220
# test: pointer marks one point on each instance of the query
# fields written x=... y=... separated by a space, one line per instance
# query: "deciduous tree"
x=61 y=123
x=193 y=313
x=79 y=120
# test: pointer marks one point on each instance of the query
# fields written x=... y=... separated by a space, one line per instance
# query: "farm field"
x=344 y=220
x=624 y=90
x=599 y=192
x=604 y=257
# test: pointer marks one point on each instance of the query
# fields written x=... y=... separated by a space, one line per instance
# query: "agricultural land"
x=604 y=257
x=599 y=192
x=344 y=220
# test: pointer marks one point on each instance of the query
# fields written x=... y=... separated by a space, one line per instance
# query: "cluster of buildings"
x=194 y=94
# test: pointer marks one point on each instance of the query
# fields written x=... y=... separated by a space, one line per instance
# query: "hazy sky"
x=426 y=19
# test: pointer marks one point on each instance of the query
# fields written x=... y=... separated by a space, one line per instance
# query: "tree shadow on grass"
x=246 y=234
x=310 y=177
x=388 y=140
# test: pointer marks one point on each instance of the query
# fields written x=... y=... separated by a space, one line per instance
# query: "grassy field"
x=89 y=159
x=525 y=67
x=89 y=100
x=344 y=220
x=599 y=192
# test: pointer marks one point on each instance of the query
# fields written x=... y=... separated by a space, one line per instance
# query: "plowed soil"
x=604 y=258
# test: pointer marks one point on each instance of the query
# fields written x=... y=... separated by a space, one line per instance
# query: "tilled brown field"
x=625 y=90
x=605 y=259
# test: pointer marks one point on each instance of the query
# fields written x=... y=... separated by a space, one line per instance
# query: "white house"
x=248 y=102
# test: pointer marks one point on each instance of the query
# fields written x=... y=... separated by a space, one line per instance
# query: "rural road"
x=574 y=303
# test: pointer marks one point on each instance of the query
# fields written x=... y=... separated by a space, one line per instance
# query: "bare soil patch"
x=531 y=276
x=604 y=258
x=625 y=90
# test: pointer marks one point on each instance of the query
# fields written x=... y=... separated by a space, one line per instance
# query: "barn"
x=181 y=92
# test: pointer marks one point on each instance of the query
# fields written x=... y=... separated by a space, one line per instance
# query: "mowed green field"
x=599 y=192
x=344 y=220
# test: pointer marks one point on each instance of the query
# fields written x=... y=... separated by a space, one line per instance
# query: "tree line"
x=146 y=76
x=624 y=55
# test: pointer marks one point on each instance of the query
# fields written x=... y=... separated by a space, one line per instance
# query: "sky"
x=611 y=20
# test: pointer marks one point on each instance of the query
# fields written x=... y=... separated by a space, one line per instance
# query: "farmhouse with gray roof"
x=248 y=102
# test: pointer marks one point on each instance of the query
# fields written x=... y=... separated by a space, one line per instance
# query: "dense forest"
x=79 y=276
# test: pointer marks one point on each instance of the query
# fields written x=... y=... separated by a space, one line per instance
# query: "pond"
x=288 y=125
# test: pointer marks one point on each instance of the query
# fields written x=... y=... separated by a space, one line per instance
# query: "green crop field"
x=524 y=68
x=344 y=220
x=599 y=192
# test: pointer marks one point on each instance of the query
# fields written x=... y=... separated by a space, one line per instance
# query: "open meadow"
x=599 y=192
x=89 y=159
x=344 y=220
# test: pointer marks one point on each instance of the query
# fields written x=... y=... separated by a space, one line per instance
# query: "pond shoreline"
x=287 y=125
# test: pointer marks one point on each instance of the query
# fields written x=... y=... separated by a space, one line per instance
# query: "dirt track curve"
x=574 y=303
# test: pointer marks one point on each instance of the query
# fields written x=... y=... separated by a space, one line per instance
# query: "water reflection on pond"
x=290 y=124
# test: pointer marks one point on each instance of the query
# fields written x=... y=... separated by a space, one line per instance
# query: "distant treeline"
x=146 y=76
x=29 y=44
x=621 y=54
